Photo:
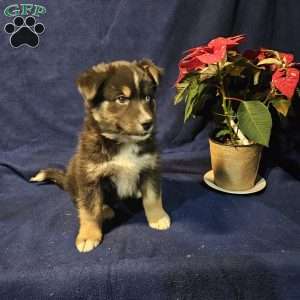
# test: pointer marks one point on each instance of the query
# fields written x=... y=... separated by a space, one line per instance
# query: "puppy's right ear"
x=151 y=69
x=90 y=81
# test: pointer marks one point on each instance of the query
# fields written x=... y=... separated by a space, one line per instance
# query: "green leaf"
x=281 y=105
x=194 y=96
x=256 y=77
x=223 y=132
x=270 y=61
x=191 y=94
x=235 y=70
x=242 y=61
x=181 y=91
x=227 y=63
x=208 y=72
x=255 y=121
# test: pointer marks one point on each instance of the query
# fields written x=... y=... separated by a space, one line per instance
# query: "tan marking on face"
x=126 y=91
x=101 y=113
x=144 y=116
x=136 y=80
x=96 y=115
x=105 y=105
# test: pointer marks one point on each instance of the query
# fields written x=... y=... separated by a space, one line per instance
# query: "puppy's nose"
x=147 y=125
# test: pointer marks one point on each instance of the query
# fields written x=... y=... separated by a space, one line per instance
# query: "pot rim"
x=235 y=146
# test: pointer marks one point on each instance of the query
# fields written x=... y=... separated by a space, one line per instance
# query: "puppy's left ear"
x=151 y=69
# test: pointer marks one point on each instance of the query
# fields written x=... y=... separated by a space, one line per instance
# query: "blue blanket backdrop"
x=219 y=246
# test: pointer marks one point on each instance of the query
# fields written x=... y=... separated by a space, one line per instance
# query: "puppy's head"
x=120 y=97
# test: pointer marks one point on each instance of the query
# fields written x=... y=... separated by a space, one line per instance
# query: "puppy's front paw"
x=162 y=223
x=86 y=242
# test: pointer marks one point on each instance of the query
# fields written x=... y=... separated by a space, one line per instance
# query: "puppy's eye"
x=122 y=100
x=148 y=99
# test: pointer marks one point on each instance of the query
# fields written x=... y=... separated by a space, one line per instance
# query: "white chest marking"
x=129 y=166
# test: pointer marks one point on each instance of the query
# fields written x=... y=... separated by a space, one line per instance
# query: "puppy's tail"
x=56 y=176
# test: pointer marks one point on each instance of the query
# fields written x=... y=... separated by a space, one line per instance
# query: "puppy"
x=116 y=144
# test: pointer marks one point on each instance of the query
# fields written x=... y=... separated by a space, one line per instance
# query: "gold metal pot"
x=235 y=167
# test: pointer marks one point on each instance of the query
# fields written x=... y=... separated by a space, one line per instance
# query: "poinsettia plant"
x=244 y=85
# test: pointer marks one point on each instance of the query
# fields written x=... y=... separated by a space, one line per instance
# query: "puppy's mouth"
x=126 y=137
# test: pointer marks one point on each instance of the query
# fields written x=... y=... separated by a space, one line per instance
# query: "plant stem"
x=234 y=98
x=232 y=126
x=221 y=89
x=269 y=95
x=239 y=133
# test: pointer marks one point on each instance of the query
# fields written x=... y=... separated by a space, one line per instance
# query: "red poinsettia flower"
x=181 y=75
x=191 y=61
x=263 y=53
x=258 y=54
x=189 y=64
x=286 y=81
x=186 y=66
x=212 y=55
x=287 y=57
x=229 y=42
x=251 y=54
x=199 y=57
x=216 y=50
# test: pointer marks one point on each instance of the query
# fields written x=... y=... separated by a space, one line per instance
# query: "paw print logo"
x=24 y=32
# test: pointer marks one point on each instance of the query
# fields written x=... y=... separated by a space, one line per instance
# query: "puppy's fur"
x=116 y=144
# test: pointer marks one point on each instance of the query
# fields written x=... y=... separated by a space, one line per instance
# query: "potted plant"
x=242 y=90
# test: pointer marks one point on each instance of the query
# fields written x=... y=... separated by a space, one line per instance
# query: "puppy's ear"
x=90 y=81
x=152 y=70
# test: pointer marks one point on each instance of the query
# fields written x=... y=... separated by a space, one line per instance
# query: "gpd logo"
x=24 y=30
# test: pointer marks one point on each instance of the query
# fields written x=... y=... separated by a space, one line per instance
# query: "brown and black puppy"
x=116 y=144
